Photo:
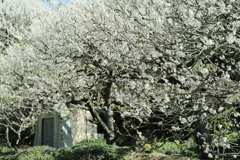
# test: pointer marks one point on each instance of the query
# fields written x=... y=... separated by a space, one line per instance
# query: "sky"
x=65 y=1
x=55 y=2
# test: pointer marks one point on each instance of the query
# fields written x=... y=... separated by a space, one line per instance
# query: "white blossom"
x=166 y=98
x=204 y=71
x=231 y=38
x=210 y=155
x=195 y=107
x=213 y=111
x=175 y=128
x=219 y=126
x=222 y=57
x=205 y=107
x=220 y=109
x=183 y=120
x=236 y=114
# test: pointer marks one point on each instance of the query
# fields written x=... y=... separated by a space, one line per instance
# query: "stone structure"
x=64 y=128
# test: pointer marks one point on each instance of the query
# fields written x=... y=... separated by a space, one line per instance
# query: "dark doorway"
x=47 y=131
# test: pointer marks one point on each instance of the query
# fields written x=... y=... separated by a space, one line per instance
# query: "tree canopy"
x=18 y=106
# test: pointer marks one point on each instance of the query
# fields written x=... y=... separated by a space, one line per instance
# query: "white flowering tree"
x=15 y=16
x=19 y=105
x=168 y=66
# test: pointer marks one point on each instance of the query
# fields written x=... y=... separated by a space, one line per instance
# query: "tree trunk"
x=203 y=139
x=110 y=124
x=110 y=120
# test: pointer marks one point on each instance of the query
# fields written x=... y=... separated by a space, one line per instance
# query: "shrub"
x=167 y=148
x=7 y=150
x=147 y=147
x=175 y=148
x=91 y=149
x=35 y=153
x=6 y=153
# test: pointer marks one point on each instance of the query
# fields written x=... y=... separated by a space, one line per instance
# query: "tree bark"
x=110 y=120
x=204 y=138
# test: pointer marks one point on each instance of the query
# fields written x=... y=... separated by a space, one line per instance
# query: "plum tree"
x=18 y=107
x=170 y=64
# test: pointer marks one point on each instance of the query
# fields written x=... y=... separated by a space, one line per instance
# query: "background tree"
x=19 y=107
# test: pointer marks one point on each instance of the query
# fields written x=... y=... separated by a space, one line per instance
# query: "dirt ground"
x=161 y=157
x=164 y=158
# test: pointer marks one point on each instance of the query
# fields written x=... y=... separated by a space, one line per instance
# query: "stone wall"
x=81 y=127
